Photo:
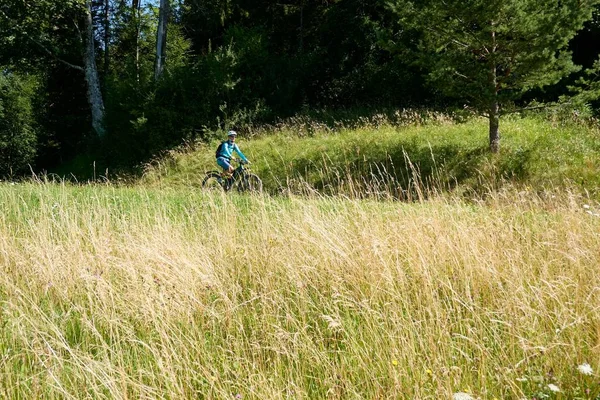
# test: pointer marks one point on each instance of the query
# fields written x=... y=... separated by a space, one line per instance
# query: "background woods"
x=120 y=80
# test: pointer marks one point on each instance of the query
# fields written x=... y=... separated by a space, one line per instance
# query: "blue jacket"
x=227 y=148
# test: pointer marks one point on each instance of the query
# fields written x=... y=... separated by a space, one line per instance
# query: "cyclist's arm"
x=239 y=152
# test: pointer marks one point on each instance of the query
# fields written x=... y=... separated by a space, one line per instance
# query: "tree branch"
x=521 y=109
x=46 y=50
x=51 y=54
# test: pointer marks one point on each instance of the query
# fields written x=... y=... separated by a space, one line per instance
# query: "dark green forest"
x=120 y=81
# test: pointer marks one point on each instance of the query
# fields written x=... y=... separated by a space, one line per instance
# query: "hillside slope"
x=391 y=159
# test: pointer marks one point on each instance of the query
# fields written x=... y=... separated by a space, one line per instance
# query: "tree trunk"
x=91 y=75
x=494 y=110
x=301 y=26
x=106 y=38
x=135 y=8
x=494 y=116
x=161 y=38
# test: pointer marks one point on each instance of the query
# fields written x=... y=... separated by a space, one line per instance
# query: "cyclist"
x=225 y=151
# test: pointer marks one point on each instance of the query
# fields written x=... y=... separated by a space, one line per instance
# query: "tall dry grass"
x=121 y=293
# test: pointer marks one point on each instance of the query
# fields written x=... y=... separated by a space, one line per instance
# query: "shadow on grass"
x=415 y=171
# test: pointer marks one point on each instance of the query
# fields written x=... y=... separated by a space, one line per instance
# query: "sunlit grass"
x=380 y=157
x=110 y=292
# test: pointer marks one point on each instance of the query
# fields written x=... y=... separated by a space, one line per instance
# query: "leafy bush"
x=193 y=100
x=17 y=126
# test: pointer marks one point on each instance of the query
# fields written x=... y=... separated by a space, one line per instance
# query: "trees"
x=17 y=133
x=586 y=89
x=490 y=52
x=43 y=31
x=242 y=61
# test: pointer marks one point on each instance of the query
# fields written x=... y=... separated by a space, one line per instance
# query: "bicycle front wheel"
x=213 y=182
x=250 y=183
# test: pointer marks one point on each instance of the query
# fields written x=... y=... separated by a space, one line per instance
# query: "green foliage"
x=43 y=31
x=240 y=64
x=191 y=100
x=44 y=38
x=485 y=51
x=294 y=55
x=17 y=123
x=586 y=89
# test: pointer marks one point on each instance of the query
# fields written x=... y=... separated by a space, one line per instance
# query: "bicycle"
x=241 y=179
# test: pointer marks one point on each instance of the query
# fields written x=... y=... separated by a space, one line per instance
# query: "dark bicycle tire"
x=213 y=182
x=250 y=183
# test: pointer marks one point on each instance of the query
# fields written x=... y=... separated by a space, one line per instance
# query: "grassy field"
x=383 y=157
x=150 y=292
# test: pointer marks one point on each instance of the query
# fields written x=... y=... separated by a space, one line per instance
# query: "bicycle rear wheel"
x=213 y=182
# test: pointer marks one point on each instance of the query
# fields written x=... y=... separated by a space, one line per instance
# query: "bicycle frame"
x=238 y=173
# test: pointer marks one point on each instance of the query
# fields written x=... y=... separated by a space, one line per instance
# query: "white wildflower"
x=586 y=206
x=462 y=396
x=585 y=369
x=553 y=388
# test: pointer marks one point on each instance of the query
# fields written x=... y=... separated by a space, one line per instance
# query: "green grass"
x=113 y=292
x=440 y=155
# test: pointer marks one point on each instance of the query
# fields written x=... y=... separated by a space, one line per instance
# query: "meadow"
x=158 y=290
x=109 y=292
x=403 y=155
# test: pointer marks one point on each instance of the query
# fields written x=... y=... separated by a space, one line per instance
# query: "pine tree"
x=490 y=52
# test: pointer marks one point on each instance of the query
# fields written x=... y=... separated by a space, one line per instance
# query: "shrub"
x=17 y=133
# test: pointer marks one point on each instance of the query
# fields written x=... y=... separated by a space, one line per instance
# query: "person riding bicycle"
x=225 y=151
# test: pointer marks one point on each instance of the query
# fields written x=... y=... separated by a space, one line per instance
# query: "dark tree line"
x=120 y=80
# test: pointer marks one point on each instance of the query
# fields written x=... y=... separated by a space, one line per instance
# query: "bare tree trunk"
x=135 y=7
x=301 y=26
x=161 y=38
x=91 y=75
x=494 y=127
x=494 y=111
x=106 y=38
